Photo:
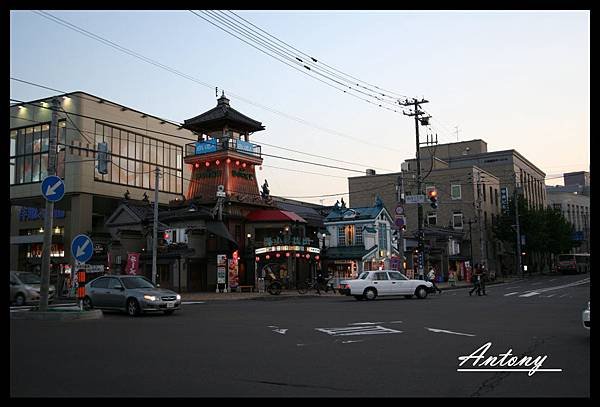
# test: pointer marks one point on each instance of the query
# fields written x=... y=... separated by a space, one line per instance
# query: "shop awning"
x=219 y=229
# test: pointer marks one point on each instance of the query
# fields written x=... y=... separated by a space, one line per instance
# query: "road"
x=326 y=347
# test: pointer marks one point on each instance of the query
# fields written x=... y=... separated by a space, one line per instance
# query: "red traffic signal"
x=432 y=194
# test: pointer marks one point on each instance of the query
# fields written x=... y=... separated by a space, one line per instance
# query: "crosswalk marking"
x=516 y=292
x=529 y=294
x=359 y=330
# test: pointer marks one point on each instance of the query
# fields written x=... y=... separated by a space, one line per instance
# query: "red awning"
x=273 y=215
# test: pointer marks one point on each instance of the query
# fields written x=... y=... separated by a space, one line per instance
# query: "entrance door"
x=197 y=276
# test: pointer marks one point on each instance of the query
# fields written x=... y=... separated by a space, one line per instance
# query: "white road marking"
x=551 y=295
x=564 y=295
x=272 y=326
x=192 y=302
x=359 y=330
x=352 y=341
x=543 y=290
x=366 y=323
x=531 y=294
x=516 y=292
x=395 y=322
x=447 y=332
x=280 y=331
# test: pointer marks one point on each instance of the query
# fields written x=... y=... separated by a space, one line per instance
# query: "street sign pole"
x=82 y=249
x=49 y=215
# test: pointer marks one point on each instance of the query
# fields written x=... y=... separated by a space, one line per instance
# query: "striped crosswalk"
x=358 y=330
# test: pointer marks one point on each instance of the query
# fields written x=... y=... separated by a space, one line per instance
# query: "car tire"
x=169 y=312
x=20 y=300
x=133 y=308
x=359 y=297
x=87 y=303
x=408 y=296
x=421 y=292
x=370 y=294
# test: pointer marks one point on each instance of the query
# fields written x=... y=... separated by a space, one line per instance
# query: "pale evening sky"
x=518 y=80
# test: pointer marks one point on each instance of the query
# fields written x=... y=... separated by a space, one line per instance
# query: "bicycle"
x=274 y=288
x=309 y=284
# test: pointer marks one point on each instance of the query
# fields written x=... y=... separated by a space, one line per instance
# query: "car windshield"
x=29 y=278
x=137 y=282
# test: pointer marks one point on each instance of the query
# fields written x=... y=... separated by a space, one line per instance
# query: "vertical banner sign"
x=221 y=268
x=133 y=260
x=395 y=263
x=233 y=271
x=504 y=199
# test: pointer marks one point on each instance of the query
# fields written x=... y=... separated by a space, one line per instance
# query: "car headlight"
x=178 y=297
x=151 y=298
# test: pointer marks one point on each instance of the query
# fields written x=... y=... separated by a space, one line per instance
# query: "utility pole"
x=480 y=220
x=155 y=229
x=400 y=199
x=49 y=215
x=516 y=199
x=470 y=222
x=424 y=120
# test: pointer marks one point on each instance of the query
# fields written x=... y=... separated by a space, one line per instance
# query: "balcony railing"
x=224 y=144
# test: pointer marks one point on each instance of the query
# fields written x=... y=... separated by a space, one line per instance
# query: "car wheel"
x=87 y=303
x=133 y=308
x=408 y=296
x=20 y=300
x=370 y=294
x=421 y=292
x=169 y=312
x=359 y=297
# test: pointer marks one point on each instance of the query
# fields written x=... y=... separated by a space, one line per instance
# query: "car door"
x=382 y=283
x=14 y=286
x=98 y=290
x=116 y=293
x=400 y=284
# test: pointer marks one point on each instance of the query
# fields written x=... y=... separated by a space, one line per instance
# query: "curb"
x=59 y=315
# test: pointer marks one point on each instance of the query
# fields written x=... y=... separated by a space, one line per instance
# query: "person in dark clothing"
x=483 y=279
x=477 y=277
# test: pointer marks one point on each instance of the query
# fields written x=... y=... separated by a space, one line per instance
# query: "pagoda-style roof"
x=219 y=117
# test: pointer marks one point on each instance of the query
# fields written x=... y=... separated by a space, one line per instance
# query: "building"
x=360 y=238
x=470 y=182
x=573 y=201
x=138 y=142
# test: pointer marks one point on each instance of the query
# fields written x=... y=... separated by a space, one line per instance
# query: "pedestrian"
x=431 y=278
x=484 y=276
x=476 y=281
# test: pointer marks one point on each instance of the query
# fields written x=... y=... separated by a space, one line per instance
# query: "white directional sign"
x=82 y=248
x=413 y=199
x=53 y=188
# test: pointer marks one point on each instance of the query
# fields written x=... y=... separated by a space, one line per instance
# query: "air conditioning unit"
x=370 y=171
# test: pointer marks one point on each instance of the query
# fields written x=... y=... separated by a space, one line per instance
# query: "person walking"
x=431 y=278
x=476 y=281
x=484 y=276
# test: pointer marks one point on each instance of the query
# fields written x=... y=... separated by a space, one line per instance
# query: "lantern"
x=267 y=257
x=237 y=162
x=308 y=256
x=228 y=160
x=244 y=165
x=257 y=259
x=217 y=162
x=317 y=257
x=277 y=255
x=197 y=165
x=287 y=255
x=297 y=254
x=207 y=163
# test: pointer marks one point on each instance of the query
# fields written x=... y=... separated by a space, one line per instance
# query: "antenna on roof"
x=216 y=91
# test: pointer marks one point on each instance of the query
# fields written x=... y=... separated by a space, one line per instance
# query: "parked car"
x=371 y=284
x=585 y=316
x=25 y=288
x=129 y=293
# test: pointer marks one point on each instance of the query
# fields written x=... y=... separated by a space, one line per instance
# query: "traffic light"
x=103 y=158
x=432 y=194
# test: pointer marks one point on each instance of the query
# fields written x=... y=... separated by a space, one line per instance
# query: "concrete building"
x=138 y=142
x=573 y=201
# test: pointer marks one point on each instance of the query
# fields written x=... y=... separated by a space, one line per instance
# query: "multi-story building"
x=138 y=142
x=573 y=201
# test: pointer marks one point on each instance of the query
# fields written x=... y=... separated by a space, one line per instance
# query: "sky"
x=515 y=79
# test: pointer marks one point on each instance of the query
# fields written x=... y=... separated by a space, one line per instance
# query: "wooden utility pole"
x=155 y=228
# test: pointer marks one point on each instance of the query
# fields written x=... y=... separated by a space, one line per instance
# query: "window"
x=383 y=237
x=100 y=283
x=341 y=236
x=380 y=275
x=483 y=187
x=432 y=219
x=114 y=283
x=29 y=153
x=133 y=157
x=359 y=237
x=496 y=196
x=394 y=275
x=350 y=234
x=457 y=220
x=455 y=191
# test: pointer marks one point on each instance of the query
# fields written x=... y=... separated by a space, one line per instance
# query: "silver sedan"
x=132 y=294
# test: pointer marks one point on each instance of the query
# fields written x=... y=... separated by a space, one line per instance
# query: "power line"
x=183 y=75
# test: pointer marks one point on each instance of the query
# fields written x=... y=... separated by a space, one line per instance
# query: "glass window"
x=131 y=145
x=363 y=276
x=432 y=219
x=21 y=141
x=45 y=137
x=167 y=181
x=115 y=146
x=173 y=154
x=455 y=191
x=380 y=275
x=114 y=283
x=100 y=283
x=13 y=164
x=131 y=172
x=159 y=153
x=27 y=169
x=394 y=275
x=28 y=140
x=35 y=172
x=122 y=170
x=19 y=170
x=146 y=175
x=153 y=151
x=341 y=236
x=138 y=147
x=146 y=145
x=179 y=162
x=359 y=236
x=457 y=220
x=124 y=144
x=37 y=139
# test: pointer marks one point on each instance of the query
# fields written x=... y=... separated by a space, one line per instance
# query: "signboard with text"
x=414 y=199
x=221 y=268
x=133 y=260
x=504 y=199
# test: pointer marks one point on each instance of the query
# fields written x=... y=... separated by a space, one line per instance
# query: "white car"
x=371 y=284
x=585 y=316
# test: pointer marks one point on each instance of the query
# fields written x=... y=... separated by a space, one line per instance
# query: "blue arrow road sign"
x=82 y=248
x=53 y=188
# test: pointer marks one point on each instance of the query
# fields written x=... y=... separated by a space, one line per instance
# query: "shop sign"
x=94 y=268
x=133 y=260
x=210 y=173
x=27 y=214
x=99 y=248
x=504 y=199
x=243 y=174
x=208 y=146
x=221 y=268
x=287 y=248
x=233 y=273
x=245 y=146
x=295 y=240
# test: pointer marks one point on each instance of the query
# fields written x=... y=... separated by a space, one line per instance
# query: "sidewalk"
x=212 y=296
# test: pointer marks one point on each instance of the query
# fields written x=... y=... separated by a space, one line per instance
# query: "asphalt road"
x=309 y=347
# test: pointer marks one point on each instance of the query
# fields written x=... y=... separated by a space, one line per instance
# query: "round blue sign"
x=82 y=248
x=53 y=188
